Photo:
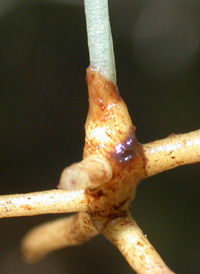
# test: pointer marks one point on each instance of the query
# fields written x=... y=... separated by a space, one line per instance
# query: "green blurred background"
x=43 y=106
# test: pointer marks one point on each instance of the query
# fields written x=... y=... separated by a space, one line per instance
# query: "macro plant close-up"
x=77 y=178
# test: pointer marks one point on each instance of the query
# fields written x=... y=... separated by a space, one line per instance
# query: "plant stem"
x=44 y=202
x=91 y=172
x=100 y=38
x=69 y=231
x=173 y=151
x=134 y=246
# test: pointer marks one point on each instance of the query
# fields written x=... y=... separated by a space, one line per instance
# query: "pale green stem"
x=100 y=38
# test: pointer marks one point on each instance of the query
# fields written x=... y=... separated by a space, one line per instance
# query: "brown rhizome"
x=144 y=182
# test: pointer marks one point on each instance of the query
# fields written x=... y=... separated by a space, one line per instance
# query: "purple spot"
x=125 y=151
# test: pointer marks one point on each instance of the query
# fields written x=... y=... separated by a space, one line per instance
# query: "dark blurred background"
x=43 y=106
